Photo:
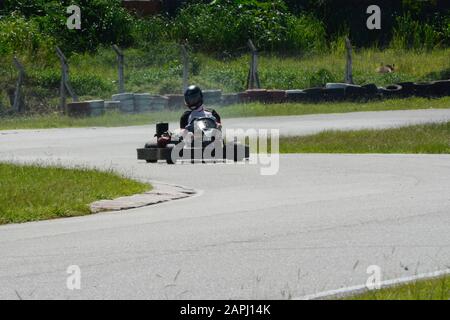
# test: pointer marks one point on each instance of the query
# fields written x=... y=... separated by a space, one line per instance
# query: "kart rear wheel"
x=168 y=154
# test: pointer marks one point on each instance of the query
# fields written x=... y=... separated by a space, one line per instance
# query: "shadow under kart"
x=201 y=151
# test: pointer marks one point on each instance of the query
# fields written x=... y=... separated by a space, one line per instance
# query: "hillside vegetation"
x=301 y=45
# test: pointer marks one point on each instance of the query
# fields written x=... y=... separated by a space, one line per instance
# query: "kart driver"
x=193 y=98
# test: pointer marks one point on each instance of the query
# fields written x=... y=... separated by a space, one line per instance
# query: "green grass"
x=33 y=192
x=429 y=138
x=434 y=289
x=240 y=110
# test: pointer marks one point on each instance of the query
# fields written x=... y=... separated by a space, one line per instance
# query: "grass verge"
x=433 y=289
x=239 y=110
x=428 y=138
x=33 y=192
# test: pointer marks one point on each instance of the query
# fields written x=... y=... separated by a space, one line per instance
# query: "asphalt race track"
x=316 y=225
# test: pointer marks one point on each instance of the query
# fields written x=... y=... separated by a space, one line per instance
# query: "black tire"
x=151 y=161
x=422 y=89
x=334 y=94
x=314 y=94
x=439 y=88
x=168 y=155
x=355 y=93
x=371 y=89
x=392 y=90
x=295 y=96
x=407 y=89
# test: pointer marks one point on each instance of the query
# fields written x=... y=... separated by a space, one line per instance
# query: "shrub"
x=18 y=35
x=102 y=21
x=321 y=78
x=413 y=34
x=225 y=25
x=306 y=33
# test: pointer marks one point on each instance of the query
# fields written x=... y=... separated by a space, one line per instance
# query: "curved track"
x=316 y=225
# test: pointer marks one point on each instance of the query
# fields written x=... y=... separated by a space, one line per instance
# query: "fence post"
x=185 y=67
x=65 y=84
x=253 y=76
x=349 y=65
x=120 y=59
x=18 y=101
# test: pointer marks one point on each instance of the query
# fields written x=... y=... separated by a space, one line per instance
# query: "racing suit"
x=189 y=116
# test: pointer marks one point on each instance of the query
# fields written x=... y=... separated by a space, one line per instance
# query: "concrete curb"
x=350 y=291
x=160 y=193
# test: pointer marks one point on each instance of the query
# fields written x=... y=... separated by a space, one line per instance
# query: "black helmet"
x=193 y=97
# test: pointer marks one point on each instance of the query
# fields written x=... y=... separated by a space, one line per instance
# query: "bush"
x=306 y=33
x=321 y=78
x=225 y=26
x=413 y=34
x=18 y=35
x=102 y=22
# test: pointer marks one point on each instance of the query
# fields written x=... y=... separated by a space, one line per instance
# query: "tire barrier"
x=159 y=103
x=296 y=95
x=257 y=95
x=422 y=89
x=175 y=101
x=145 y=102
x=391 y=91
x=276 y=96
x=334 y=94
x=333 y=85
x=229 y=98
x=126 y=101
x=354 y=92
x=112 y=106
x=408 y=89
x=96 y=107
x=371 y=90
x=212 y=97
x=78 y=109
x=243 y=97
x=142 y=102
x=439 y=88
x=315 y=94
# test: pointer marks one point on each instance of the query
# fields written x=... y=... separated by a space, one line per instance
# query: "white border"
x=348 y=291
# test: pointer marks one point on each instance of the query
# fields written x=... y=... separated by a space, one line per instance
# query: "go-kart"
x=202 y=141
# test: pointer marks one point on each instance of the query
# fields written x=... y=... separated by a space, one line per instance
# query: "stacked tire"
x=78 y=109
x=229 y=99
x=392 y=91
x=126 y=102
x=212 y=97
x=112 y=106
x=315 y=94
x=440 y=88
x=295 y=95
x=175 y=101
x=142 y=102
x=408 y=89
x=96 y=107
x=276 y=96
x=422 y=89
x=158 y=103
x=257 y=95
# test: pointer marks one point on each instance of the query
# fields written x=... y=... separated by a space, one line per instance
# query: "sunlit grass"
x=434 y=289
x=429 y=138
x=31 y=192
x=238 y=110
